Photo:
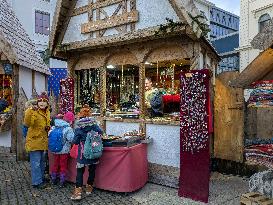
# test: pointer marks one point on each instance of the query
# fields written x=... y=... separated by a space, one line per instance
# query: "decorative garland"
x=203 y=26
x=46 y=56
x=172 y=26
x=62 y=47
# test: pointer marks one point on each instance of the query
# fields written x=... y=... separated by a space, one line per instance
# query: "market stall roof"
x=184 y=9
x=15 y=44
x=262 y=66
x=258 y=69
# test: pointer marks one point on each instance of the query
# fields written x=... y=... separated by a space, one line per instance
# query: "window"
x=263 y=22
x=224 y=20
x=87 y=86
x=217 y=18
x=229 y=21
x=42 y=22
x=204 y=15
x=162 y=87
x=122 y=94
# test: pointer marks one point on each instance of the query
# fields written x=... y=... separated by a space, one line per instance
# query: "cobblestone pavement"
x=16 y=189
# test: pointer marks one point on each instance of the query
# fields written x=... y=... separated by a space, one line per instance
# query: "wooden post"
x=15 y=95
x=33 y=79
x=142 y=90
x=21 y=152
x=214 y=70
x=142 y=97
x=46 y=82
x=205 y=61
x=72 y=74
x=103 y=96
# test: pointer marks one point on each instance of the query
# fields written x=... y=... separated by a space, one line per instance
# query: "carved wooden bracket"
x=124 y=14
x=110 y=22
x=5 y=122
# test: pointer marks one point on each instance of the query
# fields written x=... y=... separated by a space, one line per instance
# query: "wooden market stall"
x=257 y=78
x=111 y=46
x=21 y=71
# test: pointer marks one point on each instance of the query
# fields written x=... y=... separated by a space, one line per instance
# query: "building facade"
x=255 y=15
x=36 y=17
x=224 y=34
x=222 y=22
x=227 y=47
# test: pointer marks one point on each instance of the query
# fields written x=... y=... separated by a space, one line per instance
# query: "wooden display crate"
x=254 y=198
x=5 y=122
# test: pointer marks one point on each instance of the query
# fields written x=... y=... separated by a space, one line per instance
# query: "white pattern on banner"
x=193 y=109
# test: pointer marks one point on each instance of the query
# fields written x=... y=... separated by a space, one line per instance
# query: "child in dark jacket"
x=83 y=126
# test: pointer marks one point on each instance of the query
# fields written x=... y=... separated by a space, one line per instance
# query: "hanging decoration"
x=67 y=95
x=88 y=84
x=194 y=135
x=194 y=114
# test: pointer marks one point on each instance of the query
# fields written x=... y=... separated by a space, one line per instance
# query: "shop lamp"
x=110 y=66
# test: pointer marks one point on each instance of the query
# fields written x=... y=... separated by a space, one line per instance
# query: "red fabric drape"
x=120 y=169
x=194 y=136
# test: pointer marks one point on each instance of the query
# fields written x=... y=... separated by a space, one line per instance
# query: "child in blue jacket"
x=61 y=158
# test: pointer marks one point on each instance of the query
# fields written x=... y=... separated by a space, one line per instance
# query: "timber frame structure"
x=79 y=35
x=135 y=47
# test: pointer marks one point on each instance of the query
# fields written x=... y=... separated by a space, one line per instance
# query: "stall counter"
x=121 y=169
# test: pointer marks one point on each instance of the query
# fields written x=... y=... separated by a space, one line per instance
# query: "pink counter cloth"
x=121 y=169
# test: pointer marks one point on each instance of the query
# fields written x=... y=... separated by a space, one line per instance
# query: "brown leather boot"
x=77 y=194
x=88 y=189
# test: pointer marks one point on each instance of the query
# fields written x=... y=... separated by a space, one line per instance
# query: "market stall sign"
x=110 y=22
x=7 y=68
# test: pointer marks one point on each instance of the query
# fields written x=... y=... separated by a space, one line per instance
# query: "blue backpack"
x=55 y=140
x=93 y=146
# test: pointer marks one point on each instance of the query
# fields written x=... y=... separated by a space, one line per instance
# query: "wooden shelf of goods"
x=5 y=122
x=254 y=198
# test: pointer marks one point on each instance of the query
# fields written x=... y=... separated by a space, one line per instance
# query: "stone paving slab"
x=15 y=188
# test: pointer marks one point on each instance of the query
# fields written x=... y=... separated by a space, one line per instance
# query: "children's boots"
x=54 y=178
x=77 y=194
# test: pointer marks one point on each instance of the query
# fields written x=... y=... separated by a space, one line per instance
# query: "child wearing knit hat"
x=62 y=128
x=84 y=125
x=37 y=120
x=84 y=112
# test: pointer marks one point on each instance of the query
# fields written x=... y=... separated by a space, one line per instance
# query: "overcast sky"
x=232 y=6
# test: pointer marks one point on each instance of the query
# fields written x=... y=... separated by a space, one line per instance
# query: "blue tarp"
x=54 y=79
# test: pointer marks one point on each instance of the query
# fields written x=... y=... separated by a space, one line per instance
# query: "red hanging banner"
x=194 y=135
x=67 y=95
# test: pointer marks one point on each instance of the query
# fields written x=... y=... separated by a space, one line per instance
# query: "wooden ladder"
x=254 y=198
